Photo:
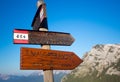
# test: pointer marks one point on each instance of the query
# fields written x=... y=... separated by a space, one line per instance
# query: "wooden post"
x=48 y=74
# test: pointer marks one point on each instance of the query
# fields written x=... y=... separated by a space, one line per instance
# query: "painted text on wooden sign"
x=42 y=59
x=42 y=37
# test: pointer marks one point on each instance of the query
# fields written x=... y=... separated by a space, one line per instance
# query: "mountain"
x=4 y=77
x=101 y=64
x=36 y=76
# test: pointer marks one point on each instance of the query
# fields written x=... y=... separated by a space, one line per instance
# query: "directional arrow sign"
x=42 y=59
x=42 y=37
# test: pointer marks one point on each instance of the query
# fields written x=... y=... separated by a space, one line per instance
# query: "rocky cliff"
x=101 y=64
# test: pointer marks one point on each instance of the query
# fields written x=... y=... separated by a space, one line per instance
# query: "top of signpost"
x=40 y=18
x=39 y=2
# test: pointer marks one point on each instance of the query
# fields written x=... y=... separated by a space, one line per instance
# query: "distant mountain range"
x=101 y=64
x=34 y=77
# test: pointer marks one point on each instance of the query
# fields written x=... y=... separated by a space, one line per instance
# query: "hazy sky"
x=90 y=22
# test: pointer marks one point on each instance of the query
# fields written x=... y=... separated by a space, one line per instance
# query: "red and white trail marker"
x=20 y=36
x=41 y=15
x=42 y=37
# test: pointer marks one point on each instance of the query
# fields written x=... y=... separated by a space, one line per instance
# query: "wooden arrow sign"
x=42 y=59
x=42 y=37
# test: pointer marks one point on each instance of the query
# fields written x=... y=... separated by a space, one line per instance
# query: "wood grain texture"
x=42 y=59
x=46 y=38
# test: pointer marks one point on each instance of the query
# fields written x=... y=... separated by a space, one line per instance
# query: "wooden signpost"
x=42 y=59
x=42 y=37
x=40 y=18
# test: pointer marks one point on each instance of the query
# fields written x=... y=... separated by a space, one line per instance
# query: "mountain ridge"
x=100 y=63
x=36 y=76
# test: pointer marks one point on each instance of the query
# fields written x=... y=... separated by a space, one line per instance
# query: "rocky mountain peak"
x=4 y=77
x=101 y=60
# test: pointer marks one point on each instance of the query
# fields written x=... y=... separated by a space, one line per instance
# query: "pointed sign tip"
x=36 y=59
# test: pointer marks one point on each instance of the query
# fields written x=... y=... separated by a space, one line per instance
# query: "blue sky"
x=90 y=22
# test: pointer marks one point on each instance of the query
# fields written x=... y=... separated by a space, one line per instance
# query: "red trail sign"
x=42 y=37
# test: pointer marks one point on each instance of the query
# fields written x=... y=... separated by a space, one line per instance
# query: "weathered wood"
x=37 y=59
x=48 y=74
x=40 y=18
x=42 y=37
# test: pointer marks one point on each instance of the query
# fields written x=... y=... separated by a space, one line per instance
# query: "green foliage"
x=93 y=78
